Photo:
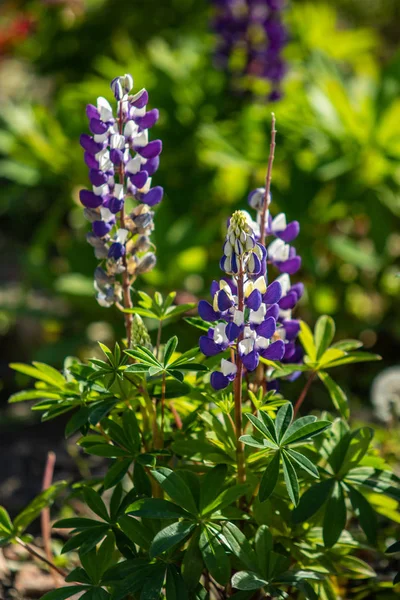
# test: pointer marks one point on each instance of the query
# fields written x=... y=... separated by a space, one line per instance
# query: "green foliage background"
x=336 y=170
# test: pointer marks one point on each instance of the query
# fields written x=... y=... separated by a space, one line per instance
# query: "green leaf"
x=335 y=516
x=176 y=488
x=136 y=531
x=169 y=349
x=290 y=477
x=250 y=440
x=215 y=557
x=33 y=395
x=270 y=478
x=324 y=333
x=393 y=548
x=106 y=450
x=306 y=432
x=86 y=540
x=139 y=368
x=336 y=393
x=357 y=567
x=64 y=592
x=307 y=341
x=175 y=586
x=380 y=481
x=354 y=357
x=211 y=485
x=284 y=417
x=365 y=514
x=239 y=545
x=247 y=580
x=312 y=500
x=347 y=345
x=76 y=523
x=170 y=536
x=116 y=472
x=41 y=372
x=34 y=508
x=5 y=521
x=192 y=565
x=261 y=427
x=351 y=449
x=153 y=585
x=95 y=503
x=264 y=544
x=226 y=498
x=78 y=420
x=303 y=462
x=156 y=508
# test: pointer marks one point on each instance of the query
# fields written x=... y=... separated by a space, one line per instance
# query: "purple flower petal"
x=219 y=381
x=214 y=288
x=153 y=197
x=97 y=177
x=289 y=350
x=254 y=300
x=152 y=165
x=275 y=351
x=298 y=289
x=232 y=331
x=208 y=347
x=224 y=302
x=290 y=266
x=288 y=301
x=101 y=228
x=267 y=328
x=114 y=204
x=152 y=149
x=116 y=250
x=97 y=126
x=206 y=311
x=88 y=144
x=141 y=101
x=273 y=293
x=273 y=311
x=89 y=199
x=139 y=179
x=148 y=120
x=92 y=112
x=116 y=156
x=251 y=360
x=290 y=233
x=292 y=328
x=90 y=160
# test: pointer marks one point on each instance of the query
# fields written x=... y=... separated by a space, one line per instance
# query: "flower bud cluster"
x=255 y=27
x=244 y=311
x=121 y=162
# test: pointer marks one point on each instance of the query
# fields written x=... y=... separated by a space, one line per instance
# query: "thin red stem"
x=303 y=394
x=45 y=515
x=268 y=182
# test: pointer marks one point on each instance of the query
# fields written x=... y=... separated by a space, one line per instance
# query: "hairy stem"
x=33 y=552
x=268 y=182
x=303 y=394
x=163 y=389
x=45 y=514
x=238 y=389
x=158 y=343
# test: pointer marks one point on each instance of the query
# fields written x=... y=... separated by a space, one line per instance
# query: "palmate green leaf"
x=262 y=427
x=324 y=333
x=303 y=462
x=34 y=395
x=169 y=349
x=284 y=417
x=42 y=372
x=212 y=484
x=335 y=516
x=6 y=525
x=144 y=355
x=139 y=368
x=64 y=592
x=365 y=514
x=353 y=357
x=298 y=424
x=263 y=545
x=347 y=345
x=307 y=341
x=375 y=479
x=156 y=508
x=175 y=587
x=248 y=580
x=153 y=585
x=238 y=544
x=214 y=556
x=136 y=531
x=264 y=443
x=192 y=565
x=176 y=311
x=198 y=322
x=357 y=568
x=312 y=500
x=34 y=508
x=170 y=536
x=393 y=548
x=336 y=393
x=306 y=432
x=176 y=488
x=95 y=503
x=106 y=450
x=86 y=540
x=270 y=478
x=226 y=498
x=290 y=477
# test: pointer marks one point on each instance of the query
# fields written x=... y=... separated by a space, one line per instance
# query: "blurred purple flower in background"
x=255 y=29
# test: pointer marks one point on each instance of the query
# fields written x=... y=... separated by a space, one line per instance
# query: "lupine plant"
x=213 y=487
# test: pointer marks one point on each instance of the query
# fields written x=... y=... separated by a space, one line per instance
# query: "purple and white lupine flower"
x=121 y=162
x=244 y=319
x=283 y=256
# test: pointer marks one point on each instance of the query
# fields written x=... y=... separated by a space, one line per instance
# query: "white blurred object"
x=385 y=394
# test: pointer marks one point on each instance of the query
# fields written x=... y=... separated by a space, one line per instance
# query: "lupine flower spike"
x=121 y=162
x=244 y=310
